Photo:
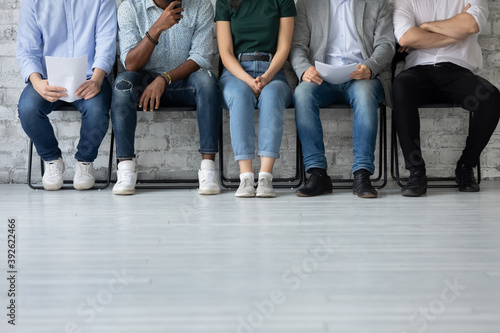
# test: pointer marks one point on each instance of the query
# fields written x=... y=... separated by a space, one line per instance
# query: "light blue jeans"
x=238 y=98
x=362 y=95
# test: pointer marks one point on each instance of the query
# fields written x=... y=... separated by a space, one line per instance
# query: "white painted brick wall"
x=167 y=144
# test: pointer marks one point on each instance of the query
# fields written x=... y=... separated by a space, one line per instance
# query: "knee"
x=238 y=94
x=125 y=83
x=204 y=81
x=304 y=94
x=27 y=112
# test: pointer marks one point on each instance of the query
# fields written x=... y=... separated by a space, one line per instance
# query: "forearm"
x=233 y=65
x=184 y=70
x=418 y=38
x=283 y=47
x=459 y=27
x=139 y=56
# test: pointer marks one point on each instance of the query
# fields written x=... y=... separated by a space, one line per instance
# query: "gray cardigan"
x=374 y=30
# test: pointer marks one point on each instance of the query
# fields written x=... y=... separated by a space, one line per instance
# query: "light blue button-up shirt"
x=342 y=47
x=66 y=28
x=192 y=38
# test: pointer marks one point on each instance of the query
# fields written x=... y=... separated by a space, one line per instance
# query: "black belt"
x=445 y=64
x=255 y=57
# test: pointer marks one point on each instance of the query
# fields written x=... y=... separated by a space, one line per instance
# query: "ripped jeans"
x=198 y=89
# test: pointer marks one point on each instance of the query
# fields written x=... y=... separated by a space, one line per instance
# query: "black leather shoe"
x=416 y=185
x=464 y=176
x=318 y=183
x=362 y=185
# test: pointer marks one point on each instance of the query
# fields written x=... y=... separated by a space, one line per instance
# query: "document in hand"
x=69 y=73
x=335 y=74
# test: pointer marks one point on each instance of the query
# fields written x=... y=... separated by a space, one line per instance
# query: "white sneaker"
x=52 y=179
x=247 y=187
x=207 y=177
x=208 y=182
x=127 y=177
x=84 y=176
x=265 y=188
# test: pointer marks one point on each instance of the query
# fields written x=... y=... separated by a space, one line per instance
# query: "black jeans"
x=422 y=85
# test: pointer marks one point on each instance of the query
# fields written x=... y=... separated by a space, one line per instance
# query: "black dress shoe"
x=318 y=183
x=362 y=185
x=416 y=185
x=464 y=176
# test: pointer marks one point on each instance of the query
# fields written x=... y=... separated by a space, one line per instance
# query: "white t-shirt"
x=412 y=13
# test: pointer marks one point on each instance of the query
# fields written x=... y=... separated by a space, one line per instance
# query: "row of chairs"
x=295 y=181
x=299 y=177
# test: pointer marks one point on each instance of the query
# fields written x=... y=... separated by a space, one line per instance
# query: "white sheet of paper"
x=69 y=73
x=335 y=74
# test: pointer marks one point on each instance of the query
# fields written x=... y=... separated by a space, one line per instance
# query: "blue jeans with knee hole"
x=241 y=102
x=198 y=89
x=363 y=96
x=34 y=110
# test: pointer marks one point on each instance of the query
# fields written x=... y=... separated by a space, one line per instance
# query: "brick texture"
x=167 y=143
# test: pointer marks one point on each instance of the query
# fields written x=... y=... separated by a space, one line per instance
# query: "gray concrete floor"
x=174 y=261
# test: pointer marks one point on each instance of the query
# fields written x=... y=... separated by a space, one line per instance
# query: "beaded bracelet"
x=166 y=83
x=151 y=38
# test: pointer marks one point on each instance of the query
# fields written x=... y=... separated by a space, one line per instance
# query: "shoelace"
x=53 y=169
x=265 y=182
x=413 y=180
x=247 y=182
x=83 y=169
x=207 y=176
x=125 y=176
x=314 y=177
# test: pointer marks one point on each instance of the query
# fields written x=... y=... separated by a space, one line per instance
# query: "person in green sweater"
x=254 y=39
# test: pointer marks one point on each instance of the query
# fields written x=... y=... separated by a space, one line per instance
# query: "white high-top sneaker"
x=52 y=179
x=84 y=176
x=127 y=177
x=207 y=177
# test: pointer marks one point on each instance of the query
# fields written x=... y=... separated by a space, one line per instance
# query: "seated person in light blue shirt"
x=167 y=51
x=359 y=32
x=66 y=28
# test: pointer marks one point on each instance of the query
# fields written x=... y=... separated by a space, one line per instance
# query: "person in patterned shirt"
x=166 y=50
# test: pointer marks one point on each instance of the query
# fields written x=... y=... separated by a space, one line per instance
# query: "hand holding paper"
x=69 y=73
x=42 y=87
x=335 y=74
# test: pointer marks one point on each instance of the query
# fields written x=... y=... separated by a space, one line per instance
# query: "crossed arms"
x=441 y=33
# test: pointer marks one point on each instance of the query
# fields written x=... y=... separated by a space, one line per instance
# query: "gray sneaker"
x=246 y=189
x=265 y=188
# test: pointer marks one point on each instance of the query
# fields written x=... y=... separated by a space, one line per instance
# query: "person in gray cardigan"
x=341 y=32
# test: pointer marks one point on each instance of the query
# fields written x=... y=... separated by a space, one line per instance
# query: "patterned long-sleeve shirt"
x=192 y=38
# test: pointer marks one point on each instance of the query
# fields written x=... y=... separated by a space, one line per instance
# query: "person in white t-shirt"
x=441 y=67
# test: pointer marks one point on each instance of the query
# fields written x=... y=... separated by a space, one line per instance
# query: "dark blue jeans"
x=198 y=89
x=33 y=110
x=363 y=96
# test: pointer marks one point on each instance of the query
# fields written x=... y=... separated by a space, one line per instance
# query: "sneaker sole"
x=53 y=187
x=265 y=195
x=124 y=192
x=83 y=186
x=208 y=192
x=246 y=195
